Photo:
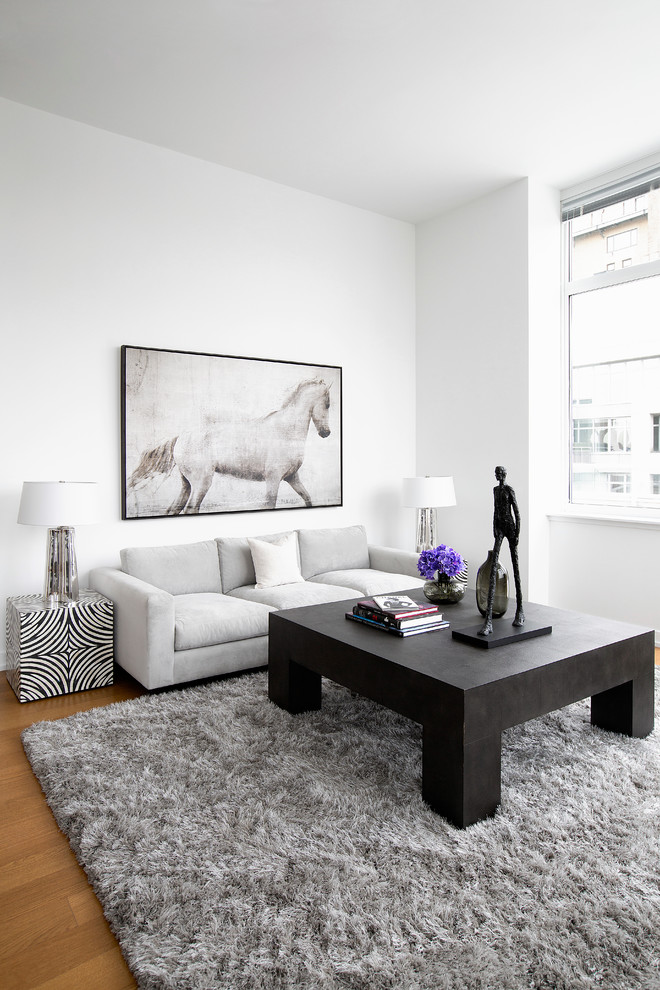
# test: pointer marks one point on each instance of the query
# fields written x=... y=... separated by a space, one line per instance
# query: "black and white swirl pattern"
x=58 y=649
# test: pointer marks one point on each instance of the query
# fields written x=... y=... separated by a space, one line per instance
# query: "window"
x=618 y=484
x=612 y=302
x=602 y=435
x=625 y=239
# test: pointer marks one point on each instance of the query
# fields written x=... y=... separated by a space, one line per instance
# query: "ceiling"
x=404 y=107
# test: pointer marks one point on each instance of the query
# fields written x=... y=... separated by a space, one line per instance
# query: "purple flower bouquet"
x=442 y=559
x=440 y=566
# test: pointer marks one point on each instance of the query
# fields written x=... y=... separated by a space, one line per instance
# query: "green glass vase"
x=501 y=596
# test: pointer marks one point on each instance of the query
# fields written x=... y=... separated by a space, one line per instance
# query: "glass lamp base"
x=61 y=566
x=426 y=529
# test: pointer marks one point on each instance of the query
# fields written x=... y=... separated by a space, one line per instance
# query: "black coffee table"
x=463 y=696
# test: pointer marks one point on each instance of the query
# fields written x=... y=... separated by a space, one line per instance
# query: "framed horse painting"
x=208 y=433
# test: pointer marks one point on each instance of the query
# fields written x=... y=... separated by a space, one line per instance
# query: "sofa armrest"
x=144 y=625
x=394 y=561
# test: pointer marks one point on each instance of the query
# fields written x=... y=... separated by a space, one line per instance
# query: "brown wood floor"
x=53 y=935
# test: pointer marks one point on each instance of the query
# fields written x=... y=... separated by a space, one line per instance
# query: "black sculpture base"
x=503 y=633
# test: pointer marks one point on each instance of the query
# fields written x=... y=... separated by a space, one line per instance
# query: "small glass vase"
x=443 y=590
x=501 y=596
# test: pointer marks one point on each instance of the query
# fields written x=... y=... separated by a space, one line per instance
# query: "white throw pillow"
x=275 y=563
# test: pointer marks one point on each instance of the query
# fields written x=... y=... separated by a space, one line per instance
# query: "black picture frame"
x=214 y=433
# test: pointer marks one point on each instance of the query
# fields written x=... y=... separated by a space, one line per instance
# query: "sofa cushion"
x=368 y=581
x=324 y=550
x=188 y=568
x=295 y=595
x=209 y=619
x=275 y=563
x=236 y=564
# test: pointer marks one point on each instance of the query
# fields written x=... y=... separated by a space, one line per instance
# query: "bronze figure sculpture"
x=506 y=525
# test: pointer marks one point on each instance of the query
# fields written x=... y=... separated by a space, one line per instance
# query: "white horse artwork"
x=268 y=449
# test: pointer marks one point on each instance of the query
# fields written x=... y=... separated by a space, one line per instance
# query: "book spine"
x=398 y=621
x=368 y=613
x=442 y=624
x=423 y=620
x=399 y=613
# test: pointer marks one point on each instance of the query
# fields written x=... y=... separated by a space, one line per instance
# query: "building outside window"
x=624 y=239
x=618 y=484
x=601 y=435
x=612 y=285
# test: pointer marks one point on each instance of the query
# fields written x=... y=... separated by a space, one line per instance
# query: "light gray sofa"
x=200 y=609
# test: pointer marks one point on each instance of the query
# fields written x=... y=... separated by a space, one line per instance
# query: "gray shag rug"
x=233 y=845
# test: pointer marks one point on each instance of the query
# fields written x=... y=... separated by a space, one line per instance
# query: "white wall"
x=472 y=362
x=110 y=241
x=547 y=483
x=607 y=568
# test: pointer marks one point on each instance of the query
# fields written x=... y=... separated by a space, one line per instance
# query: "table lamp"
x=425 y=494
x=59 y=505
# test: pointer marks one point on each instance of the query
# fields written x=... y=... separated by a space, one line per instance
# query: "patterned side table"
x=58 y=649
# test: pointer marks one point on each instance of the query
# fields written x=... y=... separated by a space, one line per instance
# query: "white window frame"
x=571 y=287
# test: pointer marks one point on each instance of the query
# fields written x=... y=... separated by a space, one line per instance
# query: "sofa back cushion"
x=186 y=569
x=324 y=550
x=236 y=564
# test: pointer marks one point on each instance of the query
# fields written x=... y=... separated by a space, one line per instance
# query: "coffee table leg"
x=293 y=687
x=460 y=780
x=628 y=708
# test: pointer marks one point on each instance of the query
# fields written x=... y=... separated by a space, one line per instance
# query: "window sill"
x=591 y=517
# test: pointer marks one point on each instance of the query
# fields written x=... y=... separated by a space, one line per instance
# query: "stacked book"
x=397 y=614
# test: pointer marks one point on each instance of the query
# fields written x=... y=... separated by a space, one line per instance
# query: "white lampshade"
x=422 y=493
x=58 y=503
